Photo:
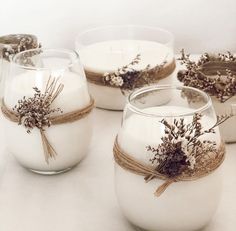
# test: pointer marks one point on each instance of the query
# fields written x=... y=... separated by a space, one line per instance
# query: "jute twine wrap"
x=165 y=71
x=69 y=117
x=205 y=167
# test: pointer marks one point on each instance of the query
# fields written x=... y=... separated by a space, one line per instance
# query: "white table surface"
x=83 y=199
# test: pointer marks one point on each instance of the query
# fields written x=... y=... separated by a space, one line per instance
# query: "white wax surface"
x=170 y=211
x=109 y=55
x=70 y=140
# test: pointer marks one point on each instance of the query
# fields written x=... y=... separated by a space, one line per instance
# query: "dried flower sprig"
x=128 y=78
x=182 y=147
x=214 y=74
x=36 y=111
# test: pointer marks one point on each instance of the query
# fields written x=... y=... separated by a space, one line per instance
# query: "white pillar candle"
x=108 y=56
x=70 y=140
x=184 y=206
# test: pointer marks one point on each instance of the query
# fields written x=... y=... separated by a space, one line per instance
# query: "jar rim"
x=47 y=50
x=140 y=91
x=127 y=26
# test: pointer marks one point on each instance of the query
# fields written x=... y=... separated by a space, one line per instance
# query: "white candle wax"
x=110 y=55
x=228 y=127
x=70 y=140
x=184 y=206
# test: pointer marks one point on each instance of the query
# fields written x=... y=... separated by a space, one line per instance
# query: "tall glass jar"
x=119 y=59
x=47 y=109
x=161 y=155
x=10 y=45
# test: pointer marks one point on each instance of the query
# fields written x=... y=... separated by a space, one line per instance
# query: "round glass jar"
x=183 y=205
x=9 y=46
x=47 y=109
x=115 y=58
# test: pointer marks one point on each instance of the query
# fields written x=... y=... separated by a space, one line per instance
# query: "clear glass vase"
x=47 y=109
x=169 y=201
x=116 y=59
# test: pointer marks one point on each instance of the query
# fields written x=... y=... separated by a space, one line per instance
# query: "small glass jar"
x=10 y=45
x=183 y=205
x=114 y=56
x=47 y=108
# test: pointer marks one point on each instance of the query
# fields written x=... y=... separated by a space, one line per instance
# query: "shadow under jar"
x=47 y=109
x=119 y=59
x=167 y=161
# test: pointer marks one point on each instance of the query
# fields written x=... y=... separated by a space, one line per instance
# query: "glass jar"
x=10 y=45
x=47 y=109
x=164 y=199
x=119 y=59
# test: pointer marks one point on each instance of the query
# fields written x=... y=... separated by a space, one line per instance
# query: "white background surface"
x=198 y=25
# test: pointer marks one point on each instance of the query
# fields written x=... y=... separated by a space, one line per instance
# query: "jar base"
x=48 y=173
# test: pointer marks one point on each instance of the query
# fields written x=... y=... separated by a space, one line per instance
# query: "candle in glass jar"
x=108 y=56
x=70 y=140
x=184 y=206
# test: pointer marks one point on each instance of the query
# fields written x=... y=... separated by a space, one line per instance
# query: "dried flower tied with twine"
x=15 y=43
x=36 y=112
x=128 y=78
x=182 y=150
x=183 y=155
x=214 y=74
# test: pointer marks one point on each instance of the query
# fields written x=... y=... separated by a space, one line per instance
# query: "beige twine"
x=69 y=117
x=205 y=167
x=165 y=71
